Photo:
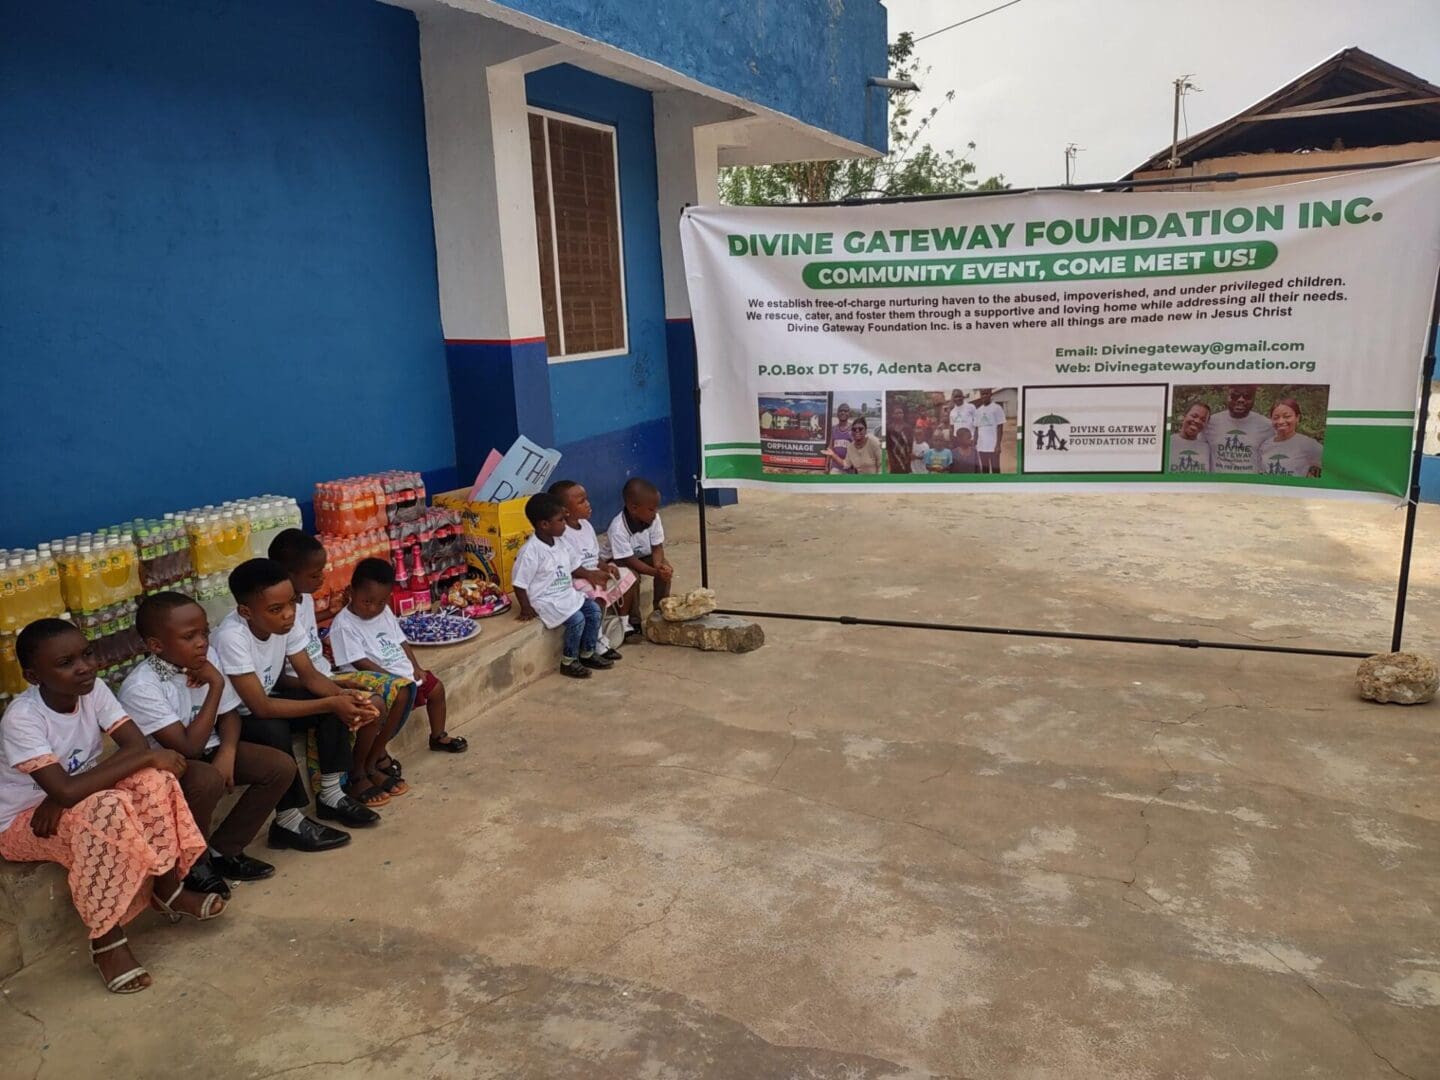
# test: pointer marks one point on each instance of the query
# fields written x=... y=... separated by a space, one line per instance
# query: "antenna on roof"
x=1183 y=86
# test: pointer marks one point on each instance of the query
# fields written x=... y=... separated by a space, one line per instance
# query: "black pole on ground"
x=1412 y=506
x=700 y=482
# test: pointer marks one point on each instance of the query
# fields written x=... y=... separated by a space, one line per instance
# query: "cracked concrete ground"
x=874 y=853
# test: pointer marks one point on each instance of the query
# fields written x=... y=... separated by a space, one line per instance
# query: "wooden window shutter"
x=546 y=238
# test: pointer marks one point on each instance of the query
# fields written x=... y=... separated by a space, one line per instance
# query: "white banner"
x=1047 y=340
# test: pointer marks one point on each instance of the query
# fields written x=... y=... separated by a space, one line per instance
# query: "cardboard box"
x=494 y=533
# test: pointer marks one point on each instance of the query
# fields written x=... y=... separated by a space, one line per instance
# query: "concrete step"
x=35 y=909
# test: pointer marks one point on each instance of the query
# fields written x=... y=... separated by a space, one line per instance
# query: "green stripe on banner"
x=1373 y=414
x=1357 y=458
x=732 y=446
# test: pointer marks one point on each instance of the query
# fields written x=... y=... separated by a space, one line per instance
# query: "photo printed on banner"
x=856 y=423
x=1096 y=428
x=951 y=432
x=1269 y=429
x=794 y=432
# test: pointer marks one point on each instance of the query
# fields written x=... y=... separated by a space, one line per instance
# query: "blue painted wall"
x=612 y=416
x=218 y=253
x=806 y=58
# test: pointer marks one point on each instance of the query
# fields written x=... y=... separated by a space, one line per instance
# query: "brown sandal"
x=371 y=796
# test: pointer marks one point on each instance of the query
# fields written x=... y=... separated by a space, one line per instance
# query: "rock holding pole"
x=710 y=633
x=1401 y=678
x=692 y=605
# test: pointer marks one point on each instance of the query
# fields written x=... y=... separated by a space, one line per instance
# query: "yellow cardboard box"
x=494 y=533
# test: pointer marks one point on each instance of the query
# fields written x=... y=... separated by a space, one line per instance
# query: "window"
x=577 y=222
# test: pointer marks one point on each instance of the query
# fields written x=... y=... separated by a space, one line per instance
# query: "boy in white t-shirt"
x=544 y=577
x=254 y=642
x=304 y=559
x=636 y=541
x=989 y=432
x=595 y=576
x=366 y=639
x=180 y=699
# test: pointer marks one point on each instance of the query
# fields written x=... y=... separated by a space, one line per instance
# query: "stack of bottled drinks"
x=164 y=549
x=341 y=555
x=29 y=590
x=361 y=504
x=100 y=581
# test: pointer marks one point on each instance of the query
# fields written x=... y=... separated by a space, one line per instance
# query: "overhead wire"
x=962 y=22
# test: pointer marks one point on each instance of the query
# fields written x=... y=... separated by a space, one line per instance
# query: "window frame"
x=546 y=116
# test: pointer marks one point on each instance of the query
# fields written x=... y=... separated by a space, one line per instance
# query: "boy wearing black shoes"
x=254 y=642
x=544 y=586
x=182 y=702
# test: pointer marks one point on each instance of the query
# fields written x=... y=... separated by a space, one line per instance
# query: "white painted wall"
x=689 y=132
x=481 y=193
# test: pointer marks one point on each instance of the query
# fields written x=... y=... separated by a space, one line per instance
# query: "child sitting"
x=254 y=642
x=636 y=541
x=543 y=578
x=601 y=580
x=179 y=699
x=119 y=826
x=304 y=559
x=367 y=642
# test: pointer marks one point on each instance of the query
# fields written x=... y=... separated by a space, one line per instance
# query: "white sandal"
x=207 y=906
x=118 y=985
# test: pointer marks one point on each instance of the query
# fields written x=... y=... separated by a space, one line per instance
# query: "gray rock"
x=712 y=633
x=1403 y=678
x=692 y=605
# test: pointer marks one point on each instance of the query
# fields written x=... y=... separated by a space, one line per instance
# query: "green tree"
x=912 y=167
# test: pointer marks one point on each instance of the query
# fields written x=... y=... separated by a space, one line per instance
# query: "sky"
x=1099 y=73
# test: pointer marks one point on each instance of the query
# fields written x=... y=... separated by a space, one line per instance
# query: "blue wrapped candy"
x=437 y=629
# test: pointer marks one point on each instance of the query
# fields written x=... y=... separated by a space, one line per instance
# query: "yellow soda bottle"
x=9 y=613
x=12 y=681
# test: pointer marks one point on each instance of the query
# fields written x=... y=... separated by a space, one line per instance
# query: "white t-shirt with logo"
x=1234 y=442
x=34 y=735
x=1189 y=455
x=583 y=544
x=988 y=421
x=963 y=416
x=624 y=543
x=379 y=640
x=1294 y=456
x=544 y=572
x=305 y=623
x=155 y=701
x=242 y=653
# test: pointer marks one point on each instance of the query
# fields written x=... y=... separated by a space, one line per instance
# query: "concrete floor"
x=874 y=853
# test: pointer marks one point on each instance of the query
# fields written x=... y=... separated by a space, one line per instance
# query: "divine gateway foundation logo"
x=1108 y=428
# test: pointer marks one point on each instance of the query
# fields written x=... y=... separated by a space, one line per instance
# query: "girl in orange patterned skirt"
x=119 y=826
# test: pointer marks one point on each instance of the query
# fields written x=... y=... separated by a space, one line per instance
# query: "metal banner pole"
x=699 y=485
x=1412 y=506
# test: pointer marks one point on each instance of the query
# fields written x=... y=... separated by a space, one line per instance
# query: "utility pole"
x=1070 y=151
x=1183 y=86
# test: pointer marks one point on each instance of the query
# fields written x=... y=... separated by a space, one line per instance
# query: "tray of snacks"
x=477 y=599
x=442 y=628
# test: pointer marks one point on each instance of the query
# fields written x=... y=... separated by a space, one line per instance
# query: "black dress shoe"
x=612 y=655
x=241 y=867
x=204 y=878
x=597 y=663
x=350 y=811
x=311 y=836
